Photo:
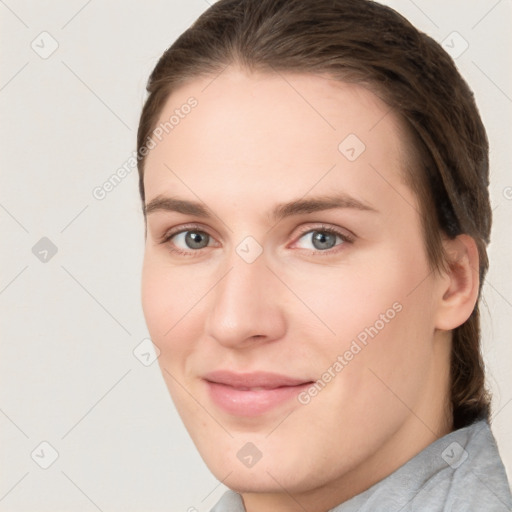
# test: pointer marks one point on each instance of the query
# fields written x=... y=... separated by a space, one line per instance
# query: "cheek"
x=385 y=338
x=350 y=301
x=156 y=301
x=170 y=300
x=381 y=313
x=169 y=303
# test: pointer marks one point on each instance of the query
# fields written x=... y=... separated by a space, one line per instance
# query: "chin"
x=268 y=474
x=260 y=479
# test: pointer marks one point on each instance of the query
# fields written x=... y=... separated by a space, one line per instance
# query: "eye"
x=191 y=239
x=321 y=239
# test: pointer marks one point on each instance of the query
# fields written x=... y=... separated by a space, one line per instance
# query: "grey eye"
x=319 y=240
x=196 y=239
x=322 y=240
x=191 y=240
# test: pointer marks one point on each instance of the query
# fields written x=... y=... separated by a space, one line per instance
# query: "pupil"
x=196 y=240
x=323 y=240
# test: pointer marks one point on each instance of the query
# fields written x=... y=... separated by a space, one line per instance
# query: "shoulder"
x=459 y=472
x=229 y=502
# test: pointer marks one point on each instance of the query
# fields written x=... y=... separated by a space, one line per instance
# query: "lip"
x=252 y=394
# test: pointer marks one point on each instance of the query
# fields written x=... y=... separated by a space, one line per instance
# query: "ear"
x=459 y=284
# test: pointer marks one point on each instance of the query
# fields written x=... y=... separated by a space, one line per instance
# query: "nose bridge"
x=240 y=288
x=243 y=304
x=240 y=292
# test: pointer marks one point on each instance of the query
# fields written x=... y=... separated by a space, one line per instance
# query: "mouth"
x=252 y=394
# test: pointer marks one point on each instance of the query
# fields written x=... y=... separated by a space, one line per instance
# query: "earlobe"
x=460 y=283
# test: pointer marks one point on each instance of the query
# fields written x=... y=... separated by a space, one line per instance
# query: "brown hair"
x=364 y=42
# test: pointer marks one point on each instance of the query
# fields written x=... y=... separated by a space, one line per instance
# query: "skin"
x=252 y=143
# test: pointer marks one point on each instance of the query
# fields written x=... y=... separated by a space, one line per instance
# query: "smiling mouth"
x=251 y=394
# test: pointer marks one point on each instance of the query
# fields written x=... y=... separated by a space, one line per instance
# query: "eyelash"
x=321 y=228
x=187 y=227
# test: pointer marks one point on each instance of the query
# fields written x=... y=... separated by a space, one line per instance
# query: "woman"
x=314 y=181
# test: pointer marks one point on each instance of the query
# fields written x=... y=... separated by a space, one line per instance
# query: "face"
x=286 y=284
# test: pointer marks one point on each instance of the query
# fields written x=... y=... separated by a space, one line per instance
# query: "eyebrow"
x=281 y=211
x=171 y=204
x=317 y=204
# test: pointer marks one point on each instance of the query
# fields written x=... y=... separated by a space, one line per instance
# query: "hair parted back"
x=363 y=42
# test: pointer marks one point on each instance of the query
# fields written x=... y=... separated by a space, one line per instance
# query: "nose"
x=245 y=306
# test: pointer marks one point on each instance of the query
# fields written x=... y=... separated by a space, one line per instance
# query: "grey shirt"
x=460 y=472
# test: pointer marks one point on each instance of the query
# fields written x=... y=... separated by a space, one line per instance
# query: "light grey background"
x=69 y=325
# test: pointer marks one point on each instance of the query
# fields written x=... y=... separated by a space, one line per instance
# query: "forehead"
x=274 y=134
